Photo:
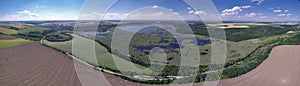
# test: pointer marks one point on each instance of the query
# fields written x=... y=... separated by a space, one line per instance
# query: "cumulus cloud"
x=155 y=6
x=247 y=6
x=286 y=10
x=251 y=14
x=282 y=15
x=277 y=11
x=191 y=11
x=189 y=8
x=28 y=13
x=25 y=14
x=200 y=13
x=234 y=10
x=196 y=12
x=258 y=2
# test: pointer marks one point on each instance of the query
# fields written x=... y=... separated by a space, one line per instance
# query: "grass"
x=10 y=43
x=32 y=29
x=101 y=56
x=8 y=31
x=33 y=33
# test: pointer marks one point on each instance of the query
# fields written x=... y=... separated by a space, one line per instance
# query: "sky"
x=228 y=10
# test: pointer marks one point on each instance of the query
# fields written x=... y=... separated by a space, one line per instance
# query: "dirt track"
x=32 y=64
x=40 y=66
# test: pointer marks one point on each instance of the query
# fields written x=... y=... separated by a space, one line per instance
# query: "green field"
x=8 y=31
x=10 y=43
x=32 y=30
x=104 y=58
x=33 y=33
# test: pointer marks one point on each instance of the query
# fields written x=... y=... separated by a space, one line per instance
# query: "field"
x=13 y=42
x=6 y=37
x=283 y=62
x=33 y=33
x=7 y=31
x=104 y=58
x=33 y=64
x=253 y=32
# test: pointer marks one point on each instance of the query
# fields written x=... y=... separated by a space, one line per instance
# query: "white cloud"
x=189 y=8
x=155 y=6
x=263 y=17
x=22 y=15
x=234 y=10
x=286 y=10
x=258 y=2
x=247 y=6
x=251 y=14
x=281 y=15
x=195 y=12
x=191 y=11
x=277 y=11
x=200 y=13
x=28 y=13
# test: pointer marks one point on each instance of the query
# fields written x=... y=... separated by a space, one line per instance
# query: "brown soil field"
x=33 y=64
x=7 y=37
x=1 y=28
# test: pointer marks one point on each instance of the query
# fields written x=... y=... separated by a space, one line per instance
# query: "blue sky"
x=246 y=10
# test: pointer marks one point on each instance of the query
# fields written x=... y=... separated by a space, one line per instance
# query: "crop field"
x=104 y=58
x=33 y=64
x=7 y=31
x=13 y=42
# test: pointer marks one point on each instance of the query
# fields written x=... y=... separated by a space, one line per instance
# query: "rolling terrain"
x=281 y=68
